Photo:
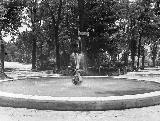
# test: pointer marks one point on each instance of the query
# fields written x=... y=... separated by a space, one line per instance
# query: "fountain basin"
x=95 y=93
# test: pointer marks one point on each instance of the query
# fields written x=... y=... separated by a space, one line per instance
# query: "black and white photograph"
x=79 y=60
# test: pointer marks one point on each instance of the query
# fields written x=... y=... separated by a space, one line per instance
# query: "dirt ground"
x=141 y=114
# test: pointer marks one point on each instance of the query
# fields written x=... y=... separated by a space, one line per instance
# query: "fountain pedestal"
x=77 y=79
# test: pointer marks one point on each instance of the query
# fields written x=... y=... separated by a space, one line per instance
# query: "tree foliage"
x=115 y=27
x=10 y=20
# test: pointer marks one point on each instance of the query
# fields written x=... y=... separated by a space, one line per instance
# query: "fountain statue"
x=77 y=79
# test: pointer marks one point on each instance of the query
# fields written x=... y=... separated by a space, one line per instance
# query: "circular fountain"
x=95 y=93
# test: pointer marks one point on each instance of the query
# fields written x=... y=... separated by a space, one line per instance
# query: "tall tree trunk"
x=133 y=59
x=154 y=53
x=133 y=47
x=34 y=49
x=41 y=54
x=56 y=36
x=57 y=49
x=143 y=58
x=126 y=54
x=2 y=55
x=154 y=62
x=33 y=11
x=139 y=51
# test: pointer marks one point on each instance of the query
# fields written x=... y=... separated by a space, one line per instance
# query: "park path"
x=151 y=113
x=19 y=70
x=149 y=74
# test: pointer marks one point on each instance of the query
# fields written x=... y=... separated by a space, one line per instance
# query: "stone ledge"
x=79 y=103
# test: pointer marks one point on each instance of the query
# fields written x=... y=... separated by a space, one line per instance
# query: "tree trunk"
x=41 y=54
x=2 y=55
x=56 y=36
x=126 y=54
x=154 y=53
x=2 y=74
x=33 y=11
x=143 y=58
x=34 y=49
x=154 y=61
x=34 y=39
x=57 y=49
x=133 y=47
x=133 y=59
x=139 y=51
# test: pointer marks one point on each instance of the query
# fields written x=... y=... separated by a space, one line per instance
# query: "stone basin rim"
x=96 y=103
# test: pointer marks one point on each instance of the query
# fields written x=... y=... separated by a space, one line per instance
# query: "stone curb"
x=79 y=103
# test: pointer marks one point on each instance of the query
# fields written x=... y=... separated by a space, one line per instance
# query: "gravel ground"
x=141 y=114
x=151 y=113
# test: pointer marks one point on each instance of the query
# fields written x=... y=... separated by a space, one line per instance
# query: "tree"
x=32 y=9
x=54 y=11
x=9 y=23
x=139 y=17
x=149 y=28
x=98 y=18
